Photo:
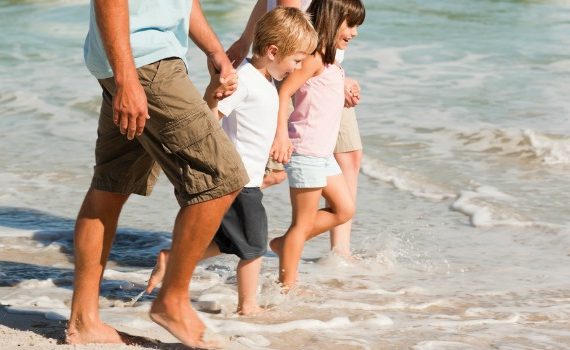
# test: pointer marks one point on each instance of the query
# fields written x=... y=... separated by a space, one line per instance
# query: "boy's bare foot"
x=96 y=333
x=157 y=273
x=273 y=177
x=182 y=322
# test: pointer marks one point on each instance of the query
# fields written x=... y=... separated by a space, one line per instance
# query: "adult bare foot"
x=343 y=253
x=182 y=322
x=100 y=333
x=250 y=310
x=157 y=273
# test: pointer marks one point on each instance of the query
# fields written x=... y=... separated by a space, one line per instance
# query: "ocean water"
x=461 y=236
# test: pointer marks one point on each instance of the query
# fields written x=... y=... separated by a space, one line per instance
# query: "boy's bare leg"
x=193 y=230
x=159 y=269
x=349 y=163
x=94 y=232
x=247 y=277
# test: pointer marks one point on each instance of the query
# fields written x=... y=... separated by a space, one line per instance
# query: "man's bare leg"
x=194 y=229
x=159 y=269
x=94 y=232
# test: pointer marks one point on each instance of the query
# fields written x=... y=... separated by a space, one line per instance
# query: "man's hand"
x=351 y=93
x=219 y=64
x=130 y=109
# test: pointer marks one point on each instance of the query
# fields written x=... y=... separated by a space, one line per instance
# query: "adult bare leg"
x=349 y=163
x=94 y=232
x=194 y=229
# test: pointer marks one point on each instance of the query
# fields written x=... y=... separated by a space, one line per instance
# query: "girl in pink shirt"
x=308 y=137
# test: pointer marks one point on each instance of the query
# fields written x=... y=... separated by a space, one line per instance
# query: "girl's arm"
x=282 y=148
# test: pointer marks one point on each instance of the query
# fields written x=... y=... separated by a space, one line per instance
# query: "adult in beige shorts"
x=152 y=117
x=348 y=154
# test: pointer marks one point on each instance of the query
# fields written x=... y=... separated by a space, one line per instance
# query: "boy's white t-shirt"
x=251 y=119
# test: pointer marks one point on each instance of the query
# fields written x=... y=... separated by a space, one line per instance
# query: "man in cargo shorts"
x=137 y=51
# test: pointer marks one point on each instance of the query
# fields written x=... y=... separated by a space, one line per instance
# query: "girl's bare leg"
x=289 y=247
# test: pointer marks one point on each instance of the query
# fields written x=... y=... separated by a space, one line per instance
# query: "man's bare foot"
x=182 y=322
x=98 y=333
x=157 y=273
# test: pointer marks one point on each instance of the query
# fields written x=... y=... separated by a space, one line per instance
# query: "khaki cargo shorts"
x=182 y=138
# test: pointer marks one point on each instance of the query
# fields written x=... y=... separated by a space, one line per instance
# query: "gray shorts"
x=243 y=231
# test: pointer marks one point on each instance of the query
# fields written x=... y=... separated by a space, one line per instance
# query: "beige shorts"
x=348 y=136
x=182 y=138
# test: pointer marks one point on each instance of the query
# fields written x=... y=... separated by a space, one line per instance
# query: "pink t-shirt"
x=315 y=121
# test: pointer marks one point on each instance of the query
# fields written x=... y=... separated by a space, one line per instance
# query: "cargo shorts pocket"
x=191 y=143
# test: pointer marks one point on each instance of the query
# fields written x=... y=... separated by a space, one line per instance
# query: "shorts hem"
x=107 y=186
x=214 y=193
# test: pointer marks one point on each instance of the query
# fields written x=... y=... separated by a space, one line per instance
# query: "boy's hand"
x=282 y=148
x=351 y=93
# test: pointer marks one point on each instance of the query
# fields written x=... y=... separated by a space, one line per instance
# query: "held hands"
x=351 y=93
x=223 y=77
x=130 y=109
x=282 y=148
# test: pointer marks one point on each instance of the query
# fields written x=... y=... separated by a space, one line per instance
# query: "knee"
x=345 y=213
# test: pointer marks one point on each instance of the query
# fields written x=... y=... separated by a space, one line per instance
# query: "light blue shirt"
x=159 y=29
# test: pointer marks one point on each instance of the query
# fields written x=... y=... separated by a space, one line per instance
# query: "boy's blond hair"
x=288 y=28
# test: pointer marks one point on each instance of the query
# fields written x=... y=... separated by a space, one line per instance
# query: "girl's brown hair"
x=327 y=17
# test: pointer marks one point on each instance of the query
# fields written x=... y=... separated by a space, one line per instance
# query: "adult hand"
x=216 y=87
x=130 y=109
x=237 y=53
x=220 y=64
x=351 y=93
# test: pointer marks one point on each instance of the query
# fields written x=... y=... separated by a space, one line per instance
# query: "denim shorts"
x=310 y=171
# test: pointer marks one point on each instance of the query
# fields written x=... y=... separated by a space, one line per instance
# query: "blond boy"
x=283 y=38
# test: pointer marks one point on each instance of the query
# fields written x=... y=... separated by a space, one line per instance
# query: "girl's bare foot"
x=276 y=245
x=157 y=273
